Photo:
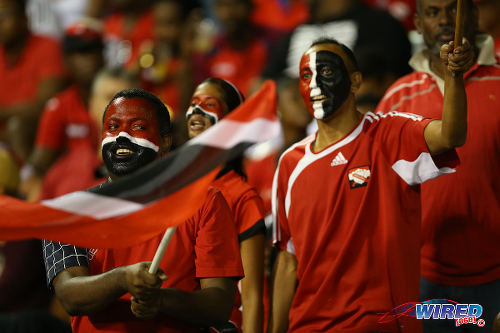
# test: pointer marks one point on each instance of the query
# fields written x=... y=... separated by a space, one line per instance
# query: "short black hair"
x=162 y=113
x=348 y=52
x=232 y=95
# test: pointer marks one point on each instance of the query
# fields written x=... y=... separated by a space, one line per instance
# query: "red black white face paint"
x=324 y=83
x=131 y=135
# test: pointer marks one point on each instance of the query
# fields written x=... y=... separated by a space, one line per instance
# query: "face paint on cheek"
x=137 y=141
x=329 y=85
x=213 y=117
x=123 y=156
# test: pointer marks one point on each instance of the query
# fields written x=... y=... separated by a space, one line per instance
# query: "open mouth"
x=318 y=99
x=197 y=123
x=123 y=152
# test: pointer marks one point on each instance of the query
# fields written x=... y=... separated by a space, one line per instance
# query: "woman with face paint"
x=212 y=100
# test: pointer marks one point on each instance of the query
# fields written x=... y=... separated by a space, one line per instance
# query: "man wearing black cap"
x=66 y=122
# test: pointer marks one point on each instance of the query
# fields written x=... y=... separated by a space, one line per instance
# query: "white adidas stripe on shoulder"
x=274 y=196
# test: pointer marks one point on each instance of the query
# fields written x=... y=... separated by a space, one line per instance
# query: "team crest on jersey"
x=359 y=176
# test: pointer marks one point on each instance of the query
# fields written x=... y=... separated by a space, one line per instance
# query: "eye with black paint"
x=326 y=71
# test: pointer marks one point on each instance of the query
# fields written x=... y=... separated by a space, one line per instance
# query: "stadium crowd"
x=380 y=190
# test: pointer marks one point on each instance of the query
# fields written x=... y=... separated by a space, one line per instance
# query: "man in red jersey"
x=31 y=72
x=346 y=200
x=460 y=213
x=110 y=290
x=66 y=125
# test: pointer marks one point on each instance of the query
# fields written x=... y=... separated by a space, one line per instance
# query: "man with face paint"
x=110 y=290
x=346 y=199
x=460 y=213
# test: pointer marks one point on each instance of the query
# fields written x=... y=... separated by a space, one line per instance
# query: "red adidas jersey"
x=204 y=246
x=351 y=215
x=460 y=212
x=66 y=123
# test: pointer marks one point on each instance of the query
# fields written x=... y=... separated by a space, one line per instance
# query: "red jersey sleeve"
x=402 y=137
x=281 y=230
x=50 y=133
x=249 y=212
x=217 y=249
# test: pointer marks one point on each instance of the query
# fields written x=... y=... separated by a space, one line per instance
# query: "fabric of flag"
x=165 y=193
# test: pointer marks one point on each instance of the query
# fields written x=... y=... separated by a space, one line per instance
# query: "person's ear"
x=165 y=144
x=356 y=80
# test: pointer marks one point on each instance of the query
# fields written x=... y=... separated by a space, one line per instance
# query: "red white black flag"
x=163 y=194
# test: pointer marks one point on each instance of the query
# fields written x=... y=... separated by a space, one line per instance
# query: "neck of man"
x=341 y=123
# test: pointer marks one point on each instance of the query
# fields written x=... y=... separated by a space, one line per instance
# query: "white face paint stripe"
x=191 y=109
x=138 y=141
x=319 y=113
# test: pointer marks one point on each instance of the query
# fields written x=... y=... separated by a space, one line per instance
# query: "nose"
x=122 y=139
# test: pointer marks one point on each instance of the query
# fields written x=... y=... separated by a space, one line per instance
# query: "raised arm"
x=451 y=131
x=283 y=291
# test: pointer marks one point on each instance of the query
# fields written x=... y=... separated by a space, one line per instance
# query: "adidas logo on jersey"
x=338 y=160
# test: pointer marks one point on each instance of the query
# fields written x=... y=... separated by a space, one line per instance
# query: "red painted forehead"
x=304 y=61
x=210 y=103
x=127 y=108
x=136 y=116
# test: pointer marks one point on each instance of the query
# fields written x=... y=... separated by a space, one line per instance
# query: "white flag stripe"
x=93 y=205
x=230 y=133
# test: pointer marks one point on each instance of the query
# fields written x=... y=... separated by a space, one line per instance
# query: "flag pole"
x=161 y=250
x=459 y=25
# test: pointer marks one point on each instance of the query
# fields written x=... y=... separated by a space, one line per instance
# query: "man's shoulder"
x=414 y=81
x=297 y=150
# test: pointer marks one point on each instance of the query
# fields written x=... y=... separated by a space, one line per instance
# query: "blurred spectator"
x=52 y=17
x=166 y=68
x=31 y=72
x=66 y=123
x=24 y=297
x=351 y=22
x=403 y=10
x=127 y=31
x=82 y=166
x=489 y=20
x=283 y=15
x=241 y=50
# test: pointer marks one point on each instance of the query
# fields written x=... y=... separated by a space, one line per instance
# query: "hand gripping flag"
x=165 y=193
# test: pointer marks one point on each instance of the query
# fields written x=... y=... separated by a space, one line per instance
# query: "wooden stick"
x=459 y=25
x=161 y=250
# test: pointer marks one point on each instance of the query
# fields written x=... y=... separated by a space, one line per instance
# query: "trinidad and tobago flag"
x=165 y=193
